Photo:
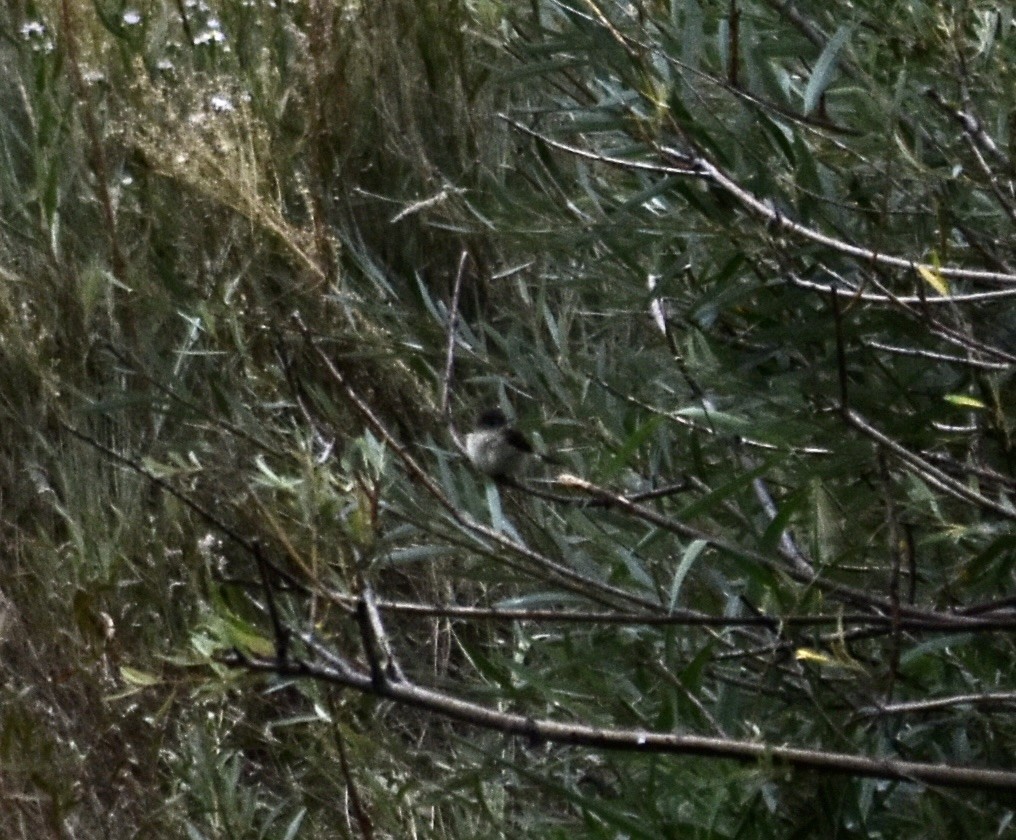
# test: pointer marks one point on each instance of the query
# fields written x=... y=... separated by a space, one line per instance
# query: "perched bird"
x=495 y=448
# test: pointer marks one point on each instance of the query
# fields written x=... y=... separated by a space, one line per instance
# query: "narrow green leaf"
x=724 y=491
x=824 y=69
x=691 y=554
x=540 y=600
x=133 y=676
x=497 y=517
x=415 y=554
x=628 y=448
x=933 y=647
x=692 y=37
x=294 y=825
x=779 y=523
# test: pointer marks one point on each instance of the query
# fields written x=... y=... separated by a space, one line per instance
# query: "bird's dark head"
x=492 y=418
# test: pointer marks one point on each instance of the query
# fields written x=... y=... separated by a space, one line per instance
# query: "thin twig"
x=971 y=127
x=946 y=358
x=927 y=622
x=363 y=819
x=453 y=323
x=893 y=537
x=855 y=293
x=926 y=471
x=280 y=632
x=1003 y=699
x=841 y=591
x=384 y=667
x=698 y=166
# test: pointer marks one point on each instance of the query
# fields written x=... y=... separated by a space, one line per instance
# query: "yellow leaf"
x=842 y=659
x=812 y=655
x=964 y=401
x=933 y=277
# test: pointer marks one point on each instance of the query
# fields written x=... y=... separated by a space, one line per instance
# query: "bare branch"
x=635 y=740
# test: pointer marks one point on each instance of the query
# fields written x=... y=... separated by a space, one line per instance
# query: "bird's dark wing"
x=515 y=438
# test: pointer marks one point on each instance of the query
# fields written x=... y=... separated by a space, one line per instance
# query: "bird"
x=497 y=449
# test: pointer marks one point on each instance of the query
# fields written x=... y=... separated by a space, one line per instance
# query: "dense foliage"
x=744 y=267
